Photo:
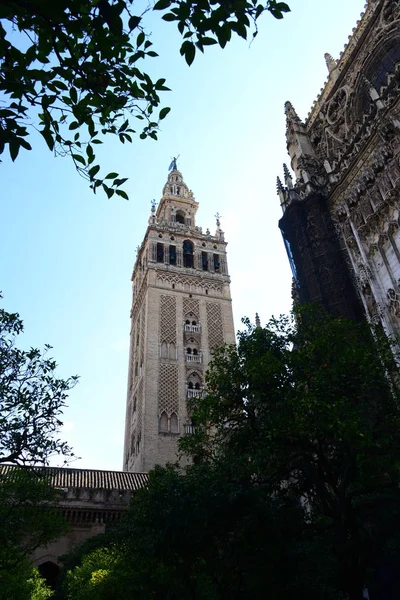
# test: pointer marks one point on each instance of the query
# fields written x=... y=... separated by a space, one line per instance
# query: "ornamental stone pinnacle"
x=287 y=176
x=291 y=114
x=330 y=62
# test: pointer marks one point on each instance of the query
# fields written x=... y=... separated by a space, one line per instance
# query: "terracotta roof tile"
x=64 y=477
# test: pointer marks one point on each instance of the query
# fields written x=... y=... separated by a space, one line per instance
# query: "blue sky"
x=67 y=255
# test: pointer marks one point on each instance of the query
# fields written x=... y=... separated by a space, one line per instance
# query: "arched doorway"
x=49 y=571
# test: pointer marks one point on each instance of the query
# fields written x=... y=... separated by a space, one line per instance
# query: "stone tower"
x=341 y=212
x=181 y=312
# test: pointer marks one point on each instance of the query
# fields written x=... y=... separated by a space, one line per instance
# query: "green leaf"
x=120 y=181
x=207 y=41
x=46 y=133
x=108 y=191
x=74 y=125
x=78 y=158
x=122 y=194
x=169 y=17
x=60 y=84
x=14 y=147
x=134 y=22
x=93 y=171
x=189 y=51
x=164 y=112
x=162 y=4
x=283 y=7
x=73 y=95
x=140 y=39
x=111 y=176
x=25 y=144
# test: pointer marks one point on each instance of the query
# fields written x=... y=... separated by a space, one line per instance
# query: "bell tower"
x=181 y=312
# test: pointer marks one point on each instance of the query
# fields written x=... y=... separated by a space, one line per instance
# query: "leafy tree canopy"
x=29 y=520
x=72 y=70
x=306 y=408
x=294 y=485
x=32 y=400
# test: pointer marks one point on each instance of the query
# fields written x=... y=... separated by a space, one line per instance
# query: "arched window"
x=180 y=217
x=187 y=322
x=188 y=351
x=194 y=323
x=164 y=422
x=195 y=351
x=188 y=254
x=194 y=385
x=174 y=423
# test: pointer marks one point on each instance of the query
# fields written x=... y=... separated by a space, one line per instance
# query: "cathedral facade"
x=181 y=312
x=340 y=219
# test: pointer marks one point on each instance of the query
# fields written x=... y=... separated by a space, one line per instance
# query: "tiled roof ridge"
x=87 y=478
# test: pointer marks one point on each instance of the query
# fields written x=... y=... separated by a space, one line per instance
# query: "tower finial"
x=218 y=217
x=173 y=166
x=258 y=322
x=153 y=206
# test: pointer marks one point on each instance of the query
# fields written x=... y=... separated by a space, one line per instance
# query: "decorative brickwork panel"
x=191 y=305
x=168 y=319
x=214 y=325
x=168 y=389
x=142 y=332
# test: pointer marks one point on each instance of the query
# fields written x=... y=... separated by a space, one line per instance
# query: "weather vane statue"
x=218 y=217
x=153 y=206
x=173 y=165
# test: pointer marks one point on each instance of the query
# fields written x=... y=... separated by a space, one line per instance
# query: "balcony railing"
x=194 y=393
x=189 y=429
x=193 y=328
x=194 y=358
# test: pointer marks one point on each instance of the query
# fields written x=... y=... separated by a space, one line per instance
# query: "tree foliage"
x=187 y=536
x=294 y=483
x=32 y=400
x=29 y=520
x=307 y=409
x=26 y=584
x=72 y=70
